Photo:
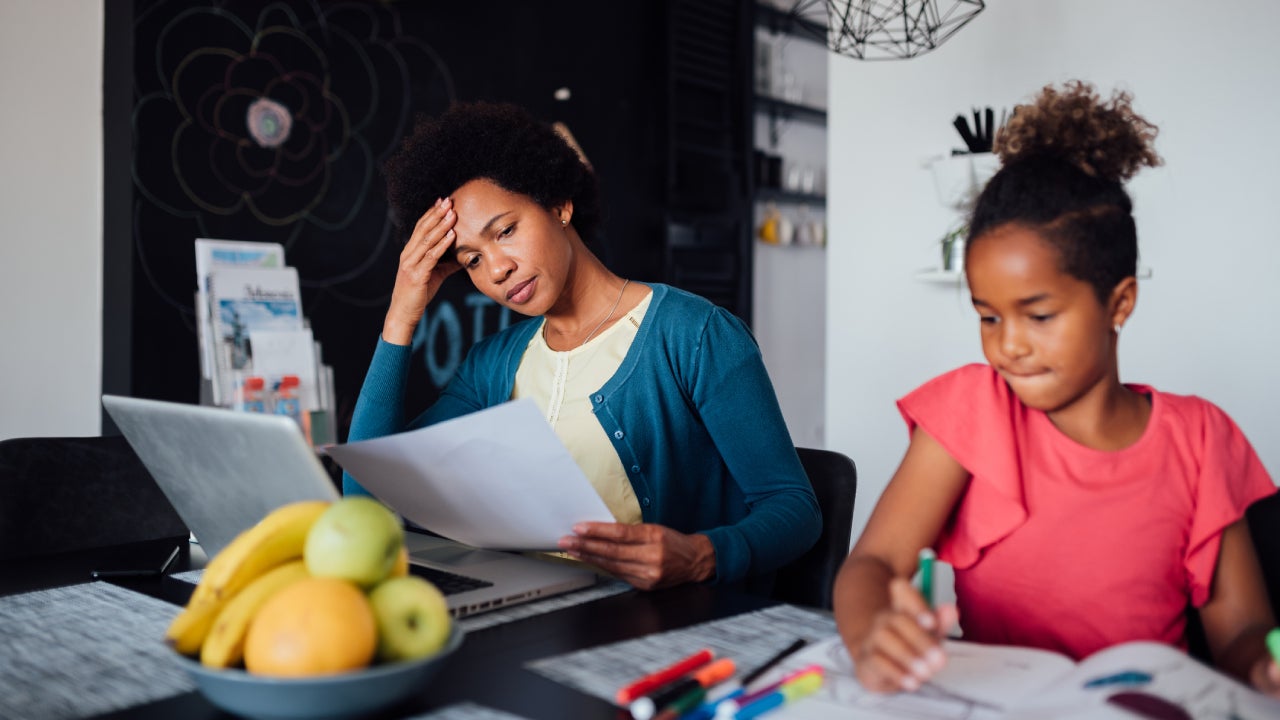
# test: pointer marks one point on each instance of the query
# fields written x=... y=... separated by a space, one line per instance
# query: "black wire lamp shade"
x=886 y=29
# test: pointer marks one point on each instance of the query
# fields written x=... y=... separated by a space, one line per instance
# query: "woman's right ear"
x=564 y=212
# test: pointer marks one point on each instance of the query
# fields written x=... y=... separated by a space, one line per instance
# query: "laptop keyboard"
x=449 y=583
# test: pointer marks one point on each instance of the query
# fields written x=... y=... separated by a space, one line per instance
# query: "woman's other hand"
x=424 y=263
x=1266 y=676
x=647 y=556
x=903 y=649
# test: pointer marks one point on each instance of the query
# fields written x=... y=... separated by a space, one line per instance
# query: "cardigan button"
x=644 y=502
x=599 y=398
x=617 y=434
x=635 y=468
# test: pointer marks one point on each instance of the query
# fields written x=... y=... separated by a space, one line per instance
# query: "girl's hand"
x=647 y=556
x=1266 y=676
x=902 y=650
x=424 y=263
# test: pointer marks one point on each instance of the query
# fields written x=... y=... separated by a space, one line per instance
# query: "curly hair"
x=499 y=142
x=1064 y=159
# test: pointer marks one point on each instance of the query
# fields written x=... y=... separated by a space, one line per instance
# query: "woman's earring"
x=564 y=223
x=1118 y=326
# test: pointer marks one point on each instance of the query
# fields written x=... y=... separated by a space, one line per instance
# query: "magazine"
x=212 y=253
x=244 y=300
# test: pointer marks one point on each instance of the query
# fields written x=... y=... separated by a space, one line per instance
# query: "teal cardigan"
x=691 y=412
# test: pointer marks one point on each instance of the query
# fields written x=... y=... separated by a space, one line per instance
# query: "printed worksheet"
x=498 y=478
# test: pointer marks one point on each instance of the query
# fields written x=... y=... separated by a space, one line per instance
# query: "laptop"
x=223 y=470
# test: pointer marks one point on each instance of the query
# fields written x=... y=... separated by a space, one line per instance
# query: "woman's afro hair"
x=499 y=142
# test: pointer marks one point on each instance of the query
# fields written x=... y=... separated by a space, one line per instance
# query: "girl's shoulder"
x=1192 y=417
x=976 y=383
x=970 y=411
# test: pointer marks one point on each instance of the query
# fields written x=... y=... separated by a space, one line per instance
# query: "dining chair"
x=810 y=578
x=1264 y=527
x=59 y=494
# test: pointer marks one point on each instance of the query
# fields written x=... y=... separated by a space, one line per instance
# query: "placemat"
x=603 y=589
x=750 y=639
x=466 y=711
x=83 y=650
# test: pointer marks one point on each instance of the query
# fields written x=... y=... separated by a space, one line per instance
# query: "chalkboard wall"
x=179 y=76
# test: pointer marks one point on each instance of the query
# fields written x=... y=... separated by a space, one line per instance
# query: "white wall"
x=50 y=217
x=1208 y=221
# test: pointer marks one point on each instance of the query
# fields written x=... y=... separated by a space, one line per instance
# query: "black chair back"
x=809 y=579
x=1264 y=527
x=59 y=494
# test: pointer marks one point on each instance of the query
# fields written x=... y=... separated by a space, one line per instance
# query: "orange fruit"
x=315 y=626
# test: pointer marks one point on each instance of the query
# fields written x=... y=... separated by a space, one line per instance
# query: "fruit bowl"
x=325 y=697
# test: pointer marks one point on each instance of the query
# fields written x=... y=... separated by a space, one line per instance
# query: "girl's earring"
x=1118 y=326
x=564 y=223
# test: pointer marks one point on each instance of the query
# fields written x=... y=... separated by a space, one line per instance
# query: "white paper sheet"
x=498 y=478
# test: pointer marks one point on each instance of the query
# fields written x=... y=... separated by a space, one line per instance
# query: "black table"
x=489 y=667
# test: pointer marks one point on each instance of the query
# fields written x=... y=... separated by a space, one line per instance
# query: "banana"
x=224 y=645
x=237 y=548
x=277 y=538
x=188 y=630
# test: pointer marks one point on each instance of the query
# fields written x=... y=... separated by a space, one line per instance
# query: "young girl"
x=1078 y=512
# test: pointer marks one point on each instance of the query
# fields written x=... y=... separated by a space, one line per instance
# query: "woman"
x=660 y=396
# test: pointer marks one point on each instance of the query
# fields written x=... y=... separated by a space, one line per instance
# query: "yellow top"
x=561 y=383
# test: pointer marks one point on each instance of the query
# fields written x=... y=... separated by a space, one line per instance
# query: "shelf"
x=956 y=277
x=789 y=196
x=789 y=23
x=776 y=107
x=937 y=275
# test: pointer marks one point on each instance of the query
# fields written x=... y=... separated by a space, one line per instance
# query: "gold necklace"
x=602 y=320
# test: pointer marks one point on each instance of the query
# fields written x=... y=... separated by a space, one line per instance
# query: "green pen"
x=926 y=575
x=1273 y=644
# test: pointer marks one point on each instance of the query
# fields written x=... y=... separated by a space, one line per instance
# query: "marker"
x=738 y=688
x=686 y=703
x=771 y=662
x=715 y=696
x=1273 y=644
x=802 y=686
x=926 y=575
x=666 y=675
x=644 y=708
x=728 y=707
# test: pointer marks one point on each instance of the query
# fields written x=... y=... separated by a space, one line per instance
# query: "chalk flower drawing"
x=272 y=126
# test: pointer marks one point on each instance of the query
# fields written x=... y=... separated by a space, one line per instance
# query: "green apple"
x=412 y=616
x=356 y=539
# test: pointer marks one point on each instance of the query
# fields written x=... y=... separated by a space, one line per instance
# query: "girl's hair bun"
x=1104 y=139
